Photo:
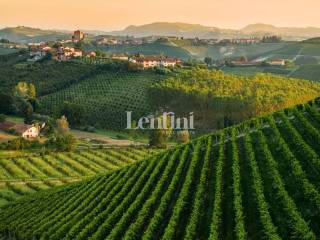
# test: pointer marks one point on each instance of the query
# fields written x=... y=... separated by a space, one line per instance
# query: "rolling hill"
x=187 y=30
x=256 y=180
x=107 y=96
x=156 y=48
x=24 y=34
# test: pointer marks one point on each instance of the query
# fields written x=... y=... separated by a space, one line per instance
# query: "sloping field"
x=310 y=72
x=232 y=51
x=29 y=174
x=257 y=180
x=156 y=48
x=107 y=97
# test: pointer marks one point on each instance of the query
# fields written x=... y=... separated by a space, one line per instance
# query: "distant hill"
x=173 y=29
x=312 y=40
x=285 y=32
x=195 y=30
x=26 y=34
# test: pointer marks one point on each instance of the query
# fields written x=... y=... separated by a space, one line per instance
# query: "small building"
x=122 y=57
x=23 y=130
x=91 y=54
x=65 y=53
x=277 y=62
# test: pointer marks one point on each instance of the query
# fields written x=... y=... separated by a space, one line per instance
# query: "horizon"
x=148 y=23
x=115 y=16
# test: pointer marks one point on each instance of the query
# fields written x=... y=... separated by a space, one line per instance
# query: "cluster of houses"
x=61 y=53
x=156 y=61
x=39 y=50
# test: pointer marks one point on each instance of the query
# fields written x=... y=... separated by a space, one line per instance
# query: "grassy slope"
x=258 y=185
x=5 y=51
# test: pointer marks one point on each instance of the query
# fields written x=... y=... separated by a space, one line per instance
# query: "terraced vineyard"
x=107 y=97
x=257 y=180
x=20 y=176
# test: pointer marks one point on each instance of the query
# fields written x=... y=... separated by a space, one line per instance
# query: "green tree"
x=208 y=61
x=160 y=136
x=75 y=114
x=25 y=91
x=183 y=136
x=2 y=118
x=6 y=103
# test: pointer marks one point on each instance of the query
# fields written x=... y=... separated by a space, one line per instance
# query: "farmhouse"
x=156 y=61
x=23 y=130
x=277 y=62
x=122 y=57
x=91 y=54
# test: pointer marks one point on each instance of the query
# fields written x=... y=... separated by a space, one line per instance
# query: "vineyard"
x=256 y=180
x=107 y=97
x=20 y=176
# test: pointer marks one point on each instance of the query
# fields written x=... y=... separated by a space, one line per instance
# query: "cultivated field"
x=107 y=97
x=32 y=173
x=256 y=180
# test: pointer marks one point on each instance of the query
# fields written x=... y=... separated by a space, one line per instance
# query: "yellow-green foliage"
x=215 y=96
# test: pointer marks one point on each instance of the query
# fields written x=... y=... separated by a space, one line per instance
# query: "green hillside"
x=32 y=173
x=48 y=77
x=6 y=51
x=312 y=40
x=218 y=99
x=257 y=180
x=107 y=97
x=311 y=72
x=156 y=48
x=219 y=52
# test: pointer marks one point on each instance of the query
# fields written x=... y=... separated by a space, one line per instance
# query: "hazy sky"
x=117 y=14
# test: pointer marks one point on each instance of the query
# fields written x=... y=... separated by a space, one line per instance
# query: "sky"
x=118 y=14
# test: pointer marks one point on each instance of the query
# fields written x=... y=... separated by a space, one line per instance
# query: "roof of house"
x=19 y=128
x=6 y=125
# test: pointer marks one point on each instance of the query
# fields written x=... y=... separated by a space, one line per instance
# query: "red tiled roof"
x=6 y=126
x=19 y=128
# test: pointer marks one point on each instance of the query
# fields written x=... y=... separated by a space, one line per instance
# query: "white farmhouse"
x=27 y=131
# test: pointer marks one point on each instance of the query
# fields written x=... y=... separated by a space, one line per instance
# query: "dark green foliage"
x=48 y=77
x=6 y=103
x=75 y=114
